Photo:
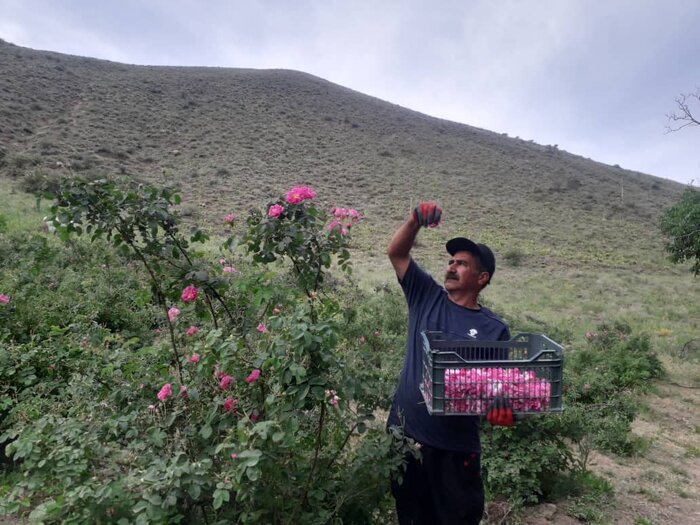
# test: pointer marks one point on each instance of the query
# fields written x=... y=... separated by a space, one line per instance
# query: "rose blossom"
x=262 y=328
x=165 y=392
x=183 y=391
x=225 y=382
x=299 y=194
x=194 y=358
x=229 y=269
x=189 y=294
x=173 y=313
x=253 y=377
x=4 y=299
x=192 y=330
x=230 y=404
x=230 y=218
x=275 y=211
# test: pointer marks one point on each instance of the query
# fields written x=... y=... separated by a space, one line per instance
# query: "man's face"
x=463 y=275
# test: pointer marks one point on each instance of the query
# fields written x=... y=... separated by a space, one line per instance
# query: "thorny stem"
x=345 y=442
x=160 y=298
x=211 y=309
x=314 y=462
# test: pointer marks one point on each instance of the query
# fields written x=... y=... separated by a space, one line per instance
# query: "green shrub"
x=254 y=407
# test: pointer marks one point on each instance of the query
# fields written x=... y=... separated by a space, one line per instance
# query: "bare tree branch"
x=685 y=116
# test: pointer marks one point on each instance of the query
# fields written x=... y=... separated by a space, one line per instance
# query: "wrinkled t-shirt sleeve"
x=416 y=284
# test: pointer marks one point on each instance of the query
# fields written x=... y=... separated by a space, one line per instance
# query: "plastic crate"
x=464 y=377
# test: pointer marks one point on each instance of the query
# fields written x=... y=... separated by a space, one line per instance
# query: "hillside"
x=231 y=137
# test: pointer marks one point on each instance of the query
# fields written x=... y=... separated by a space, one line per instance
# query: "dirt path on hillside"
x=662 y=485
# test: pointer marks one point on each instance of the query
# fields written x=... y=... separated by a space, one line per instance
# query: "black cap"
x=483 y=252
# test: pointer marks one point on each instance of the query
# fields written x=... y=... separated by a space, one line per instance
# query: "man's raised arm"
x=399 y=250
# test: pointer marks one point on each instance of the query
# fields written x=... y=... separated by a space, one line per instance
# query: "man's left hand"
x=500 y=413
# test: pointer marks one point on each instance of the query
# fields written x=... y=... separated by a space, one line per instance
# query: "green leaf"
x=220 y=496
x=249 y=458
x=206 y=431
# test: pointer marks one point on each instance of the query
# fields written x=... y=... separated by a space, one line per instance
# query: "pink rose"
x=194 y=358
x=183 y=391
x=192 y=330
x=189 y=294
x=262 y=328
x=275 y=211
x=337 y=225
x=173 y=313
x=225 y=382
x=299 y=194
x=234 y=456
x=230 y=218
x=4 y=299
x=253 y=377
x=230 y=404
x=165 y=392
x=229 y=269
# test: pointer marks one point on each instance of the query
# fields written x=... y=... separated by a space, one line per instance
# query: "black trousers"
x=441 y=488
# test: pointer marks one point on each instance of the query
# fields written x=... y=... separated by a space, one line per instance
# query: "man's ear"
x=484 y=278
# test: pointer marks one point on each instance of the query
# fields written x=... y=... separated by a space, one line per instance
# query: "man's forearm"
x=403 y=239
x=399 y=249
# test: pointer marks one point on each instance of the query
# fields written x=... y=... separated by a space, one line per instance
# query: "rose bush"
x=224 y=423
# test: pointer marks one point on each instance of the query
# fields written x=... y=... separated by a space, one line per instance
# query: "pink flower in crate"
x=230 y=404
x=253 y=377
x=189 y=294
x=473 y=390
x=262 y=328
x=165 y=392
x=230 y=218
x=194 y=358
x=275 y=211
x=192 y=330
x=4 y=299
x=173 y=313
x=225 y=382
x=299 y=194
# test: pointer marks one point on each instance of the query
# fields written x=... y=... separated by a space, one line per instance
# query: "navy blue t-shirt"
x=429 y=308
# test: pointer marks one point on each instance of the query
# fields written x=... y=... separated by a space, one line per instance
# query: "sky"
x=596 y=77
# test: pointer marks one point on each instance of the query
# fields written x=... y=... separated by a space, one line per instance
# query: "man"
x=444 y=486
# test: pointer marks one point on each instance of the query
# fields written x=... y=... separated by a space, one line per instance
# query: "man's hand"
x=427 y=214
x=500 y=413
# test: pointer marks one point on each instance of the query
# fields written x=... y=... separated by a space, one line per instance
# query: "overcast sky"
x=596 y=77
